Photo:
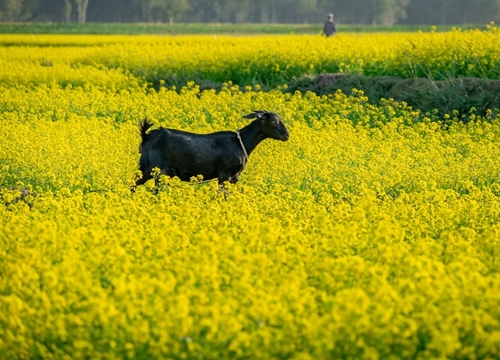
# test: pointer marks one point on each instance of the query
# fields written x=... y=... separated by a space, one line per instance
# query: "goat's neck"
x=251 y=135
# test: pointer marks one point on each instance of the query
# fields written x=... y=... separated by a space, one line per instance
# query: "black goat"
x=222 y=155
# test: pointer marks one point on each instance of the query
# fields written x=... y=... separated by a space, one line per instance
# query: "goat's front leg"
x=222 y=188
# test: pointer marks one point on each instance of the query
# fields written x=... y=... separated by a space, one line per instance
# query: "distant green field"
x=175 y=29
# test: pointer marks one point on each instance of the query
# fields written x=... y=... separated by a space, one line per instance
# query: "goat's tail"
x=144 y=127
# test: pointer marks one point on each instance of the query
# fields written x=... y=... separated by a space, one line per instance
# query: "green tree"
x=166 y=10
x=67 y=10
x=388 y=12
x=175 y=9
x=151 y=10
x=81 y=9
x=11 y=10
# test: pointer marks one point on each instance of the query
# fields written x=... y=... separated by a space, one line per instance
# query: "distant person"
x=329 y=29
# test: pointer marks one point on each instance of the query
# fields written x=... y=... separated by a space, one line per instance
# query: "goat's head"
x=271 y=124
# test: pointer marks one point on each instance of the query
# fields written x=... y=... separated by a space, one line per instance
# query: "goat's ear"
x=256 y=114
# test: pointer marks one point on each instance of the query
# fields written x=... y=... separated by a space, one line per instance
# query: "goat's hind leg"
x=146 y=175
x=140 y=180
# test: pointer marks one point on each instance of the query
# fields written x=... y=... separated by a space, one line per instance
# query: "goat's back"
x=171 y=138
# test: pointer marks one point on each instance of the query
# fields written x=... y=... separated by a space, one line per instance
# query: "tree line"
x=379 y=12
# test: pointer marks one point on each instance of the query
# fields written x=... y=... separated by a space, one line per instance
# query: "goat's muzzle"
x=285 y=136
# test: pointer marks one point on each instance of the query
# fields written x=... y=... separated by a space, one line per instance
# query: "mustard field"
x=373 y=233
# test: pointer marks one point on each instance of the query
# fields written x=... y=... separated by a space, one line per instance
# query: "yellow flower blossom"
x=373 y=232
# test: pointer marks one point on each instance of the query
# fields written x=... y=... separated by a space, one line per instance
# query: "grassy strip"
x=464 y=95
x=178 y=29
x=446 y=98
